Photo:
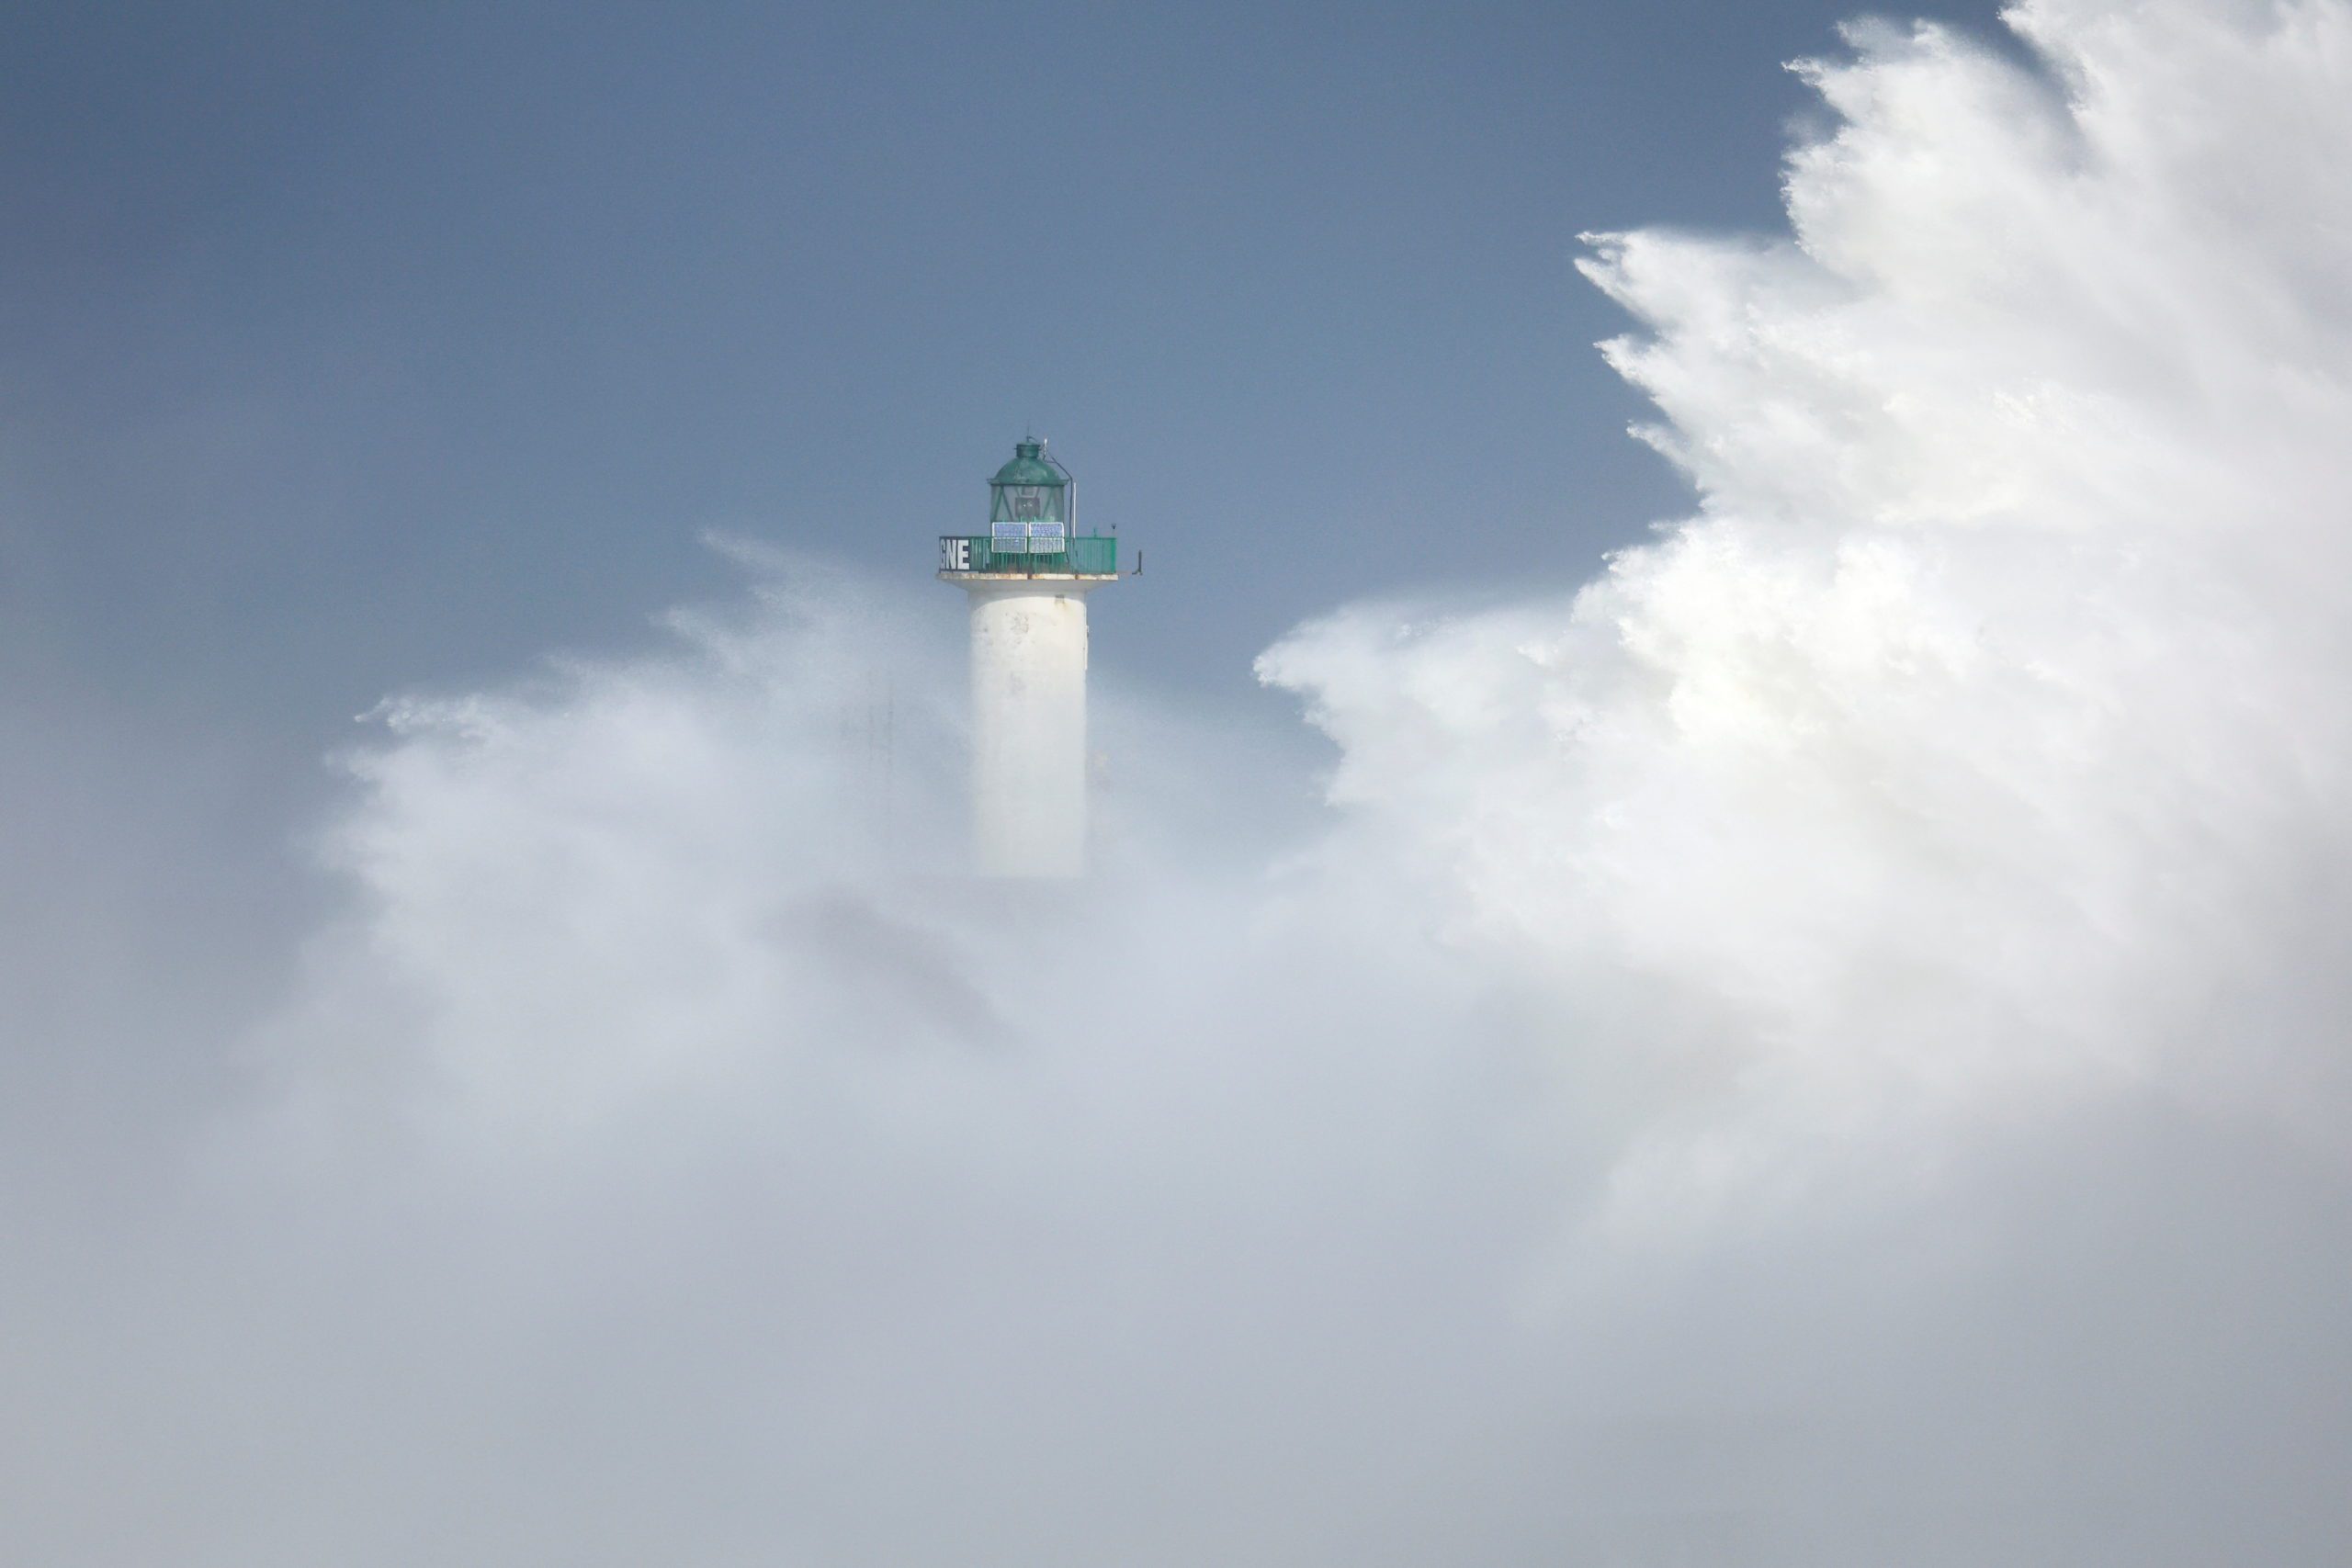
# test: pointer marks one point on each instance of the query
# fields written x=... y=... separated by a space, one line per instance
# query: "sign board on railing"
x=1030 y=555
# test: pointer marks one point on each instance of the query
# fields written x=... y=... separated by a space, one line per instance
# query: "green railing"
x=1087 y=555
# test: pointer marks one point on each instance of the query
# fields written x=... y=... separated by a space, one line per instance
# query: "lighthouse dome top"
x=1030 y=467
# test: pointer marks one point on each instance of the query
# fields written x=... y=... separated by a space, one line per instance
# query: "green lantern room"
x=1033 y=528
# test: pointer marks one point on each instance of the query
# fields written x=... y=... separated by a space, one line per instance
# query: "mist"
x=1824 y=1047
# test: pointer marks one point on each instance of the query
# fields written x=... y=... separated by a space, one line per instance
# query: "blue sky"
x=350 y=348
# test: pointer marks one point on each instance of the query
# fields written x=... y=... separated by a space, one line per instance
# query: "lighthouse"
x=1027 y=579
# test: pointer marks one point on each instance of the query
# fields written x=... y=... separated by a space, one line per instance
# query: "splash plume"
x=1983 y=742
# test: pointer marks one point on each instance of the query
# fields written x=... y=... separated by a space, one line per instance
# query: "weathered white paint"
x=1029 y=728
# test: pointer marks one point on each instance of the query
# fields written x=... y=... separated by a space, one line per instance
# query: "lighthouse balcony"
x=965 y=556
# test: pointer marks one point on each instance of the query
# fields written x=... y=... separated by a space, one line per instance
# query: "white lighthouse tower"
x=1028 y=577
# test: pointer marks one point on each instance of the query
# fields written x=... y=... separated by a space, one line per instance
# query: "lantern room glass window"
x=1029 y=504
